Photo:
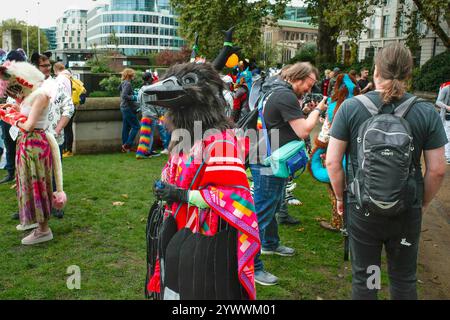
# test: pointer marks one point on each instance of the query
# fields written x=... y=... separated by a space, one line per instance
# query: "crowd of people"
x=211 y=211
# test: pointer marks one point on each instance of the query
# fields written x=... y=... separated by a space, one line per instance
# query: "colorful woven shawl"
x=215 y=168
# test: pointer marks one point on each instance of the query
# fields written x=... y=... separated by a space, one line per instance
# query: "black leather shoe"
x=58 y=214
x=15 y=216
x=8 y=178
x=288 y=220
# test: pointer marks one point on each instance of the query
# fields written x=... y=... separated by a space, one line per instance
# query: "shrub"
x=103 y=94
x=111 y=85
x=433 y=73
x=307 y=53
x=99 y=65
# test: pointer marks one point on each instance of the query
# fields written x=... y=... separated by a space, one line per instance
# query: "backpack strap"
x=261 y=109
x=368 y=104
x=403 y=109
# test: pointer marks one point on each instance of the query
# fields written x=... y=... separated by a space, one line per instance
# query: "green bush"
x=111 y=85
x=307 y=53
x=103 y=94
x=433 y=73
x=137 y=83
x=99 y=65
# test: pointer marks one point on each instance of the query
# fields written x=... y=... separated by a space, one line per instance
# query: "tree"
x=32 y=34
x=114 y=40
x=168 y=57
x=209 y=18
x=431 y=12
x=336 y=16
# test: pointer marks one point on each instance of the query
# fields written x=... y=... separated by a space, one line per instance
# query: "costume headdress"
x=19 y=78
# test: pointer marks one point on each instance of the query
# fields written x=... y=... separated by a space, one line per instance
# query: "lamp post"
x=28 y=38
x=39 y=29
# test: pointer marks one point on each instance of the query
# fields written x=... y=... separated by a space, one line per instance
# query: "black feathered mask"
x=192 y=92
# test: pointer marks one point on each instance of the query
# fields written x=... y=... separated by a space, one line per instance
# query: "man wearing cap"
x=336 y=72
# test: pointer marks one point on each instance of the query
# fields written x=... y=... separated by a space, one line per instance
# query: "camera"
x=312 y=97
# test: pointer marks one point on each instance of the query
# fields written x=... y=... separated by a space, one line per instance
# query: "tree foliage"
x=336 y=16
x=307 y=53
x=32 y=35
x=433 y=73
x=169 y=57
x=209 y=18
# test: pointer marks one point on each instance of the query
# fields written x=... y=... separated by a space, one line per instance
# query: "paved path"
x=434 y=254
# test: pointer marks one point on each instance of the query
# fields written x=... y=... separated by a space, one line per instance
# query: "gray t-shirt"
x=426 y=126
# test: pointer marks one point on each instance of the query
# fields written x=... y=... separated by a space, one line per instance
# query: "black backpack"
x=384 y=182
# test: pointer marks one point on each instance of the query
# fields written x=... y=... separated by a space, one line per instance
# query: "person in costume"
x=37 y=151
x=151 y=120
x=345 y=88
x=205 y=186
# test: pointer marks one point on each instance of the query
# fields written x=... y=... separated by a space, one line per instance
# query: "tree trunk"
x=433 y=23
x=327 y=42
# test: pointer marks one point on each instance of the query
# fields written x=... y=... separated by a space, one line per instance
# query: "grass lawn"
x=107 y=242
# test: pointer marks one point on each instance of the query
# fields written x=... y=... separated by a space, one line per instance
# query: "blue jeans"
x=10 y=146
x=163 y=133
x=268 y=196
x=130 y=127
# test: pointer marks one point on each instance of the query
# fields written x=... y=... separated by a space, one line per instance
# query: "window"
x=386 y=25
x=371 y=31
x=370 y=52
x=400 y=26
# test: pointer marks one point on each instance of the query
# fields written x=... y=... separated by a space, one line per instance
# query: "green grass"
x=108 y=242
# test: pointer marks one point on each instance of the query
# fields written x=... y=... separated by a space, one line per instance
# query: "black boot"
x=289 y=220
x=58 y=213
x=9 y=177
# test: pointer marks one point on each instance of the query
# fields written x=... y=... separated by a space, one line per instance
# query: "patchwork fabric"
x=214 y=167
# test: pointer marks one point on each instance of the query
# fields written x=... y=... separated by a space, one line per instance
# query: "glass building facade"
x=51 y=37
x=134 y=27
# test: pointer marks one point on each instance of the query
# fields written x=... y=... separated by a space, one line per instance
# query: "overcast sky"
x=48 y=11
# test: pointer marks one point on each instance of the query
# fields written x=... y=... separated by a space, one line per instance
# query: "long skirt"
x=34 y=177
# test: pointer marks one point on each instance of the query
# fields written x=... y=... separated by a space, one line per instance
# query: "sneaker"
x=15 y=216
x=58 y=213
x=9 y=177
x=126 y=148
x=291 y=186
x=37 y=236
x=289 y=220
x=154 y=154
x=265 y=278
x=280 y=251
x=23 y=227
x=67 y=154
x=292 y=201
x=165 y=152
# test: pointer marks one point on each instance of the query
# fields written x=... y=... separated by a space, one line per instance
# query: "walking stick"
x=344 y=229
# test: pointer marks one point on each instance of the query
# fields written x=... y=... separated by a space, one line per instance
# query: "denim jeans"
x=130 y=127
x=400 y=237
x=268 y=195
x=10 y=146
x=163 y=133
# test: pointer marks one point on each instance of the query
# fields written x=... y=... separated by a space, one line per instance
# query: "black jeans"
x=400 y=237
x=68 y=135
x=10 y=146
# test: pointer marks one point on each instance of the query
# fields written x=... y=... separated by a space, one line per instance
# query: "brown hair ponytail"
x=394 y=65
